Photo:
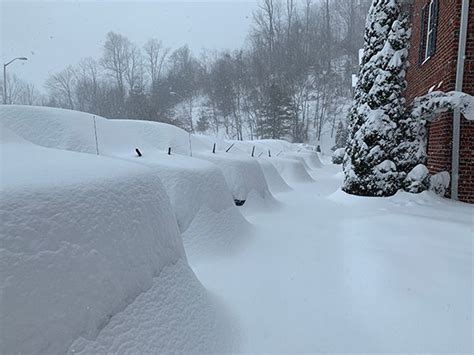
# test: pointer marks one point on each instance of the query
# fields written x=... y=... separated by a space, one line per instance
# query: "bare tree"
x=20 y=92
x=62 y=85
x=134 y=68
x=116 y=58
x=155 y=59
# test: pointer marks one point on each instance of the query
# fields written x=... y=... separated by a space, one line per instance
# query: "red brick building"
x=442 y=38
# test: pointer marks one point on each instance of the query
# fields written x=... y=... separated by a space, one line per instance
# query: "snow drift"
x=293 y=171
x=243 y=175
x=191 y=183
x=275 y=182
x=81 y=237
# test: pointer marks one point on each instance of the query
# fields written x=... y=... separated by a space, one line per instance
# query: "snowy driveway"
x=327 y=272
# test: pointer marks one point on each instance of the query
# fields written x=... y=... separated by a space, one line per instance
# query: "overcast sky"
x=53 y=34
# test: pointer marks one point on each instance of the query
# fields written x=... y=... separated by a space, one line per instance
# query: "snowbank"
x=191 y=184
x=81 y=237
x=77 y=131
x=243 y=175
x=309 y=160
x=275 y=182
x=177 y=315
x=293 y=171
x=52 y=127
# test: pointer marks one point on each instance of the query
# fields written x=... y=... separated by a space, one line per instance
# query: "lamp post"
x=5 y=77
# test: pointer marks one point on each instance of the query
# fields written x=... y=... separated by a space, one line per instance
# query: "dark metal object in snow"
x=138 y=152
x=214 y=149
x=269 y=153
x=227 y=151
x=96 y=141
x=169 y=151
x=239 y=202
x=253 y=151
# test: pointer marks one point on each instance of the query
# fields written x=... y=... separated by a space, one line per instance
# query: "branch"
x=429 y=106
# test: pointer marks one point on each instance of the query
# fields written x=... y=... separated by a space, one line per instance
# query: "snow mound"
x=190 y=183
x=76 y=131
x=243 y=175
x=205 y=144
x=292 y=171
x=117 y=137
x=151 y=325
x=262 y=147
x=81 y=237
x=216 y=234
x=310 y=160
x=275 y=182
x=52 y=127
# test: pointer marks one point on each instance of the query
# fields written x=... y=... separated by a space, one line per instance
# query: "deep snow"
x=314 y=270
x=330 y=272
x=81 y=236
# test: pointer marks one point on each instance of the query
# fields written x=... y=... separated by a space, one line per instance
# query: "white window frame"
x=429 y=30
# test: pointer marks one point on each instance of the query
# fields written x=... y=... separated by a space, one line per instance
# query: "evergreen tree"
x=370 y=163
x=341 y=136
x=137 y=103
x=203 y=122
x=277 y=113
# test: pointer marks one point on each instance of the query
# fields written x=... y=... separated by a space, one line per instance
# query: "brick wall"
x=466 y=169
x=440 y=72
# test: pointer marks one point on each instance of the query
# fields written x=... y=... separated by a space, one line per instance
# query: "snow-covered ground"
x=329 y=272
x=326 y=272
x=92 y=260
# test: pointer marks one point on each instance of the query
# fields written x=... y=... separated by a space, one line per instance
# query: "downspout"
x=459 y=87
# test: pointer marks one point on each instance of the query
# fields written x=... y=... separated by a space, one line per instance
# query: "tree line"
x=291 y=80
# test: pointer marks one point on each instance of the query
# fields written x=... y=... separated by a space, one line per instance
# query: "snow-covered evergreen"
x=341 y=136
x=369 y=165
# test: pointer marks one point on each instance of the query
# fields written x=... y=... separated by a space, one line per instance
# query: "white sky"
x=54 y=34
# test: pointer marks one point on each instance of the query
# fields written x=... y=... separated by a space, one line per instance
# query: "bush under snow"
x=338 y=156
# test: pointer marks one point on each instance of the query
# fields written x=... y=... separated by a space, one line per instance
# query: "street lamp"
x=5 y=77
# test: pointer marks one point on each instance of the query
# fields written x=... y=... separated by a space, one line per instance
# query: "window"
x=429 y=26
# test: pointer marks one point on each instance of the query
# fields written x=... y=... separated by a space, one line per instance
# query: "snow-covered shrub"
x=338 y=156
x=439 y=183
x=417 y=180
x=369 y=165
